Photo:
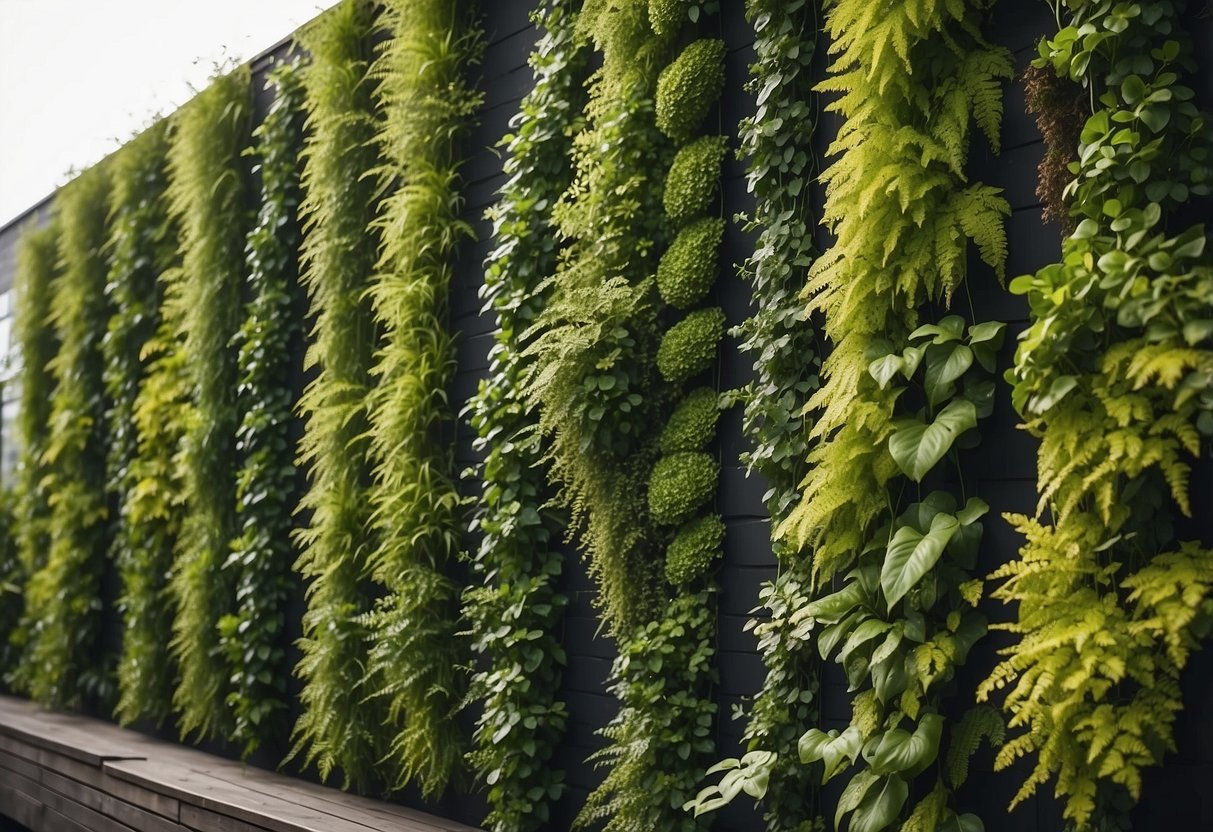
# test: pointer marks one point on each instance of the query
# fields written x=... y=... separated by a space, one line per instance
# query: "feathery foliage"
x=268 y=344
x=515 y=609
x=143 y=246
x=64 y=660
x=338 y=729
x=1115 y=376
x=208 y=193
x=415 y=657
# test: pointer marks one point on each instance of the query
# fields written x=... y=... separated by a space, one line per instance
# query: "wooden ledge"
x=67 y=773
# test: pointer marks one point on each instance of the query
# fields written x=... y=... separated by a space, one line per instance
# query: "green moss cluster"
x=693 y=424
x=693 y=550
x=688 y=269
x=666 y=16
x=693 y=177
x=690 y=345
x=689 y=87
x=680 y=484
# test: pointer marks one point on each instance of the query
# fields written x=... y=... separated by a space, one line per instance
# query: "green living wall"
x=257 y=440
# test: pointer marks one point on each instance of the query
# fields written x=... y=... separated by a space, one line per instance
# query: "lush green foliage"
x=12 y=576
x=516 y=608
x=338 y=728
x=142 y=247
x=688 y=269
x=415 y=658
x=694 y=178
x=689 y=347
x=692 y=425
x=1115 y=376
x=207 y=197
x=681 y=484
x=688 y=87
x=37 y=269
x=64 y=659
x=268 y=343
x=694 y=550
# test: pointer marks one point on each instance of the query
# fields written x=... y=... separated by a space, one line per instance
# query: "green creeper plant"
x=515 y=607
x=268 y=343
x=415 y=656
x=1115 y=377
x=142 y=248
x=37 y=270
x=207 y=197
x=64 y=660
x=337 y=728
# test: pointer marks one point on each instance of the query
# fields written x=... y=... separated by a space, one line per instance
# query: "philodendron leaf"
x=832 y=608
x=912 y=555
x=900 y=752
x=917 y=447
x=943 y=370
x=951 y=328
x=881 y=804
x=836 y=751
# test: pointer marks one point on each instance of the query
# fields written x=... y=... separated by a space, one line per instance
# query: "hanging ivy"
x=783 y=341
x=415 y=659
x=37 y=343
x=338 y=727
x=268 y=343
x=1115 y=377
x=516 y=609
x=65 y=660
x=142 y=247
x=208 y=200
x=11 y=579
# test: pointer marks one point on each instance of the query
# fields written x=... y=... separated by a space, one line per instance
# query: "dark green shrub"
x=693 y=424
x=666 y=16
x=688 y=269
x=688 y=88
x=690 y=345
x=693 y=550
x=680 y=484
x=693 y=178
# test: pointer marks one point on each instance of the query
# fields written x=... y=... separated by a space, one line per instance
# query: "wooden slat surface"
x=66 y=772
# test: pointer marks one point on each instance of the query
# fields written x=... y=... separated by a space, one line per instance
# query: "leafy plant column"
x=415 y=658
x=37 y=270
x=208 y=200
x=338 y=729
x=143 y=247
x=516 y=609
x=269 y=342
x=1115 y=376
x=64 y=662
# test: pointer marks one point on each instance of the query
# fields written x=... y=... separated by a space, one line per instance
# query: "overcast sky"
x=79 y=77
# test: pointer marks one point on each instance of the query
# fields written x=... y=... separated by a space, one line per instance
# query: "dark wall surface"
x=1002 y=470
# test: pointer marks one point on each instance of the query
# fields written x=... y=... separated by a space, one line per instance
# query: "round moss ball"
x=693 y=423
x=688 y=87
x=666 y=16
x=690 y=346
x=693 y=177
x=680 y=484
x=693 y=550
x=687 y=271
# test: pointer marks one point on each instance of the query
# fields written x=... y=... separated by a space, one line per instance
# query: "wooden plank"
x=87 y=740
x=21 y=765
x=87 y=818
x=21 y=807
x=107 y=804
x=203 y=820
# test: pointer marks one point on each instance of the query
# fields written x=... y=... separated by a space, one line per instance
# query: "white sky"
x=79 y=77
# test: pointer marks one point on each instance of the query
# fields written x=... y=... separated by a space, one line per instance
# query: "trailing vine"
x=64 y=660
x=208 y=193
x=11 y=578
x=37 y=271
x=338 y=729
x=1115 y=376
x=783 y=342
x=898 y=399
x=516 y=609
x=142 y=247
x=268 y=344
x=415 y=658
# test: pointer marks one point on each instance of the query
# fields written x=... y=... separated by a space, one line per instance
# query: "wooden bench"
x=66 y=773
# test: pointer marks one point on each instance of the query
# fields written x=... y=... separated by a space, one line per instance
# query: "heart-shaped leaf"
x=880 y=806
x=836 y=751
x=917 y=447
x=944 y=368
x=912 y=554
x=899 y=751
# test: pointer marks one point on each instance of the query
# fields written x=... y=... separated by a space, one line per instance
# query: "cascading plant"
x=268 y=342
x=338 y=728
x=207 y=197
x=1115 y=377
x=516 y=609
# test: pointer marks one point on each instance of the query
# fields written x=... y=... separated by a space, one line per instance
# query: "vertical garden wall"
x=549 y=401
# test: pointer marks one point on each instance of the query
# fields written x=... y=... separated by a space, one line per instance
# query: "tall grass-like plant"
x=415 y=659
x=142 y=248
x=269 y=343
x=338 y=729
x=208 y=193
x=65 y=660
x=516 y=608
x=37 y=270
